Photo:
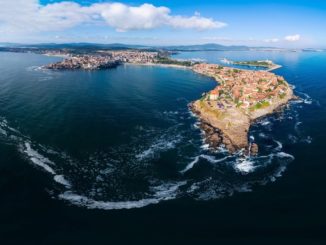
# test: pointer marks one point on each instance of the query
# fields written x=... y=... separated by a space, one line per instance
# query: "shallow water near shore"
x=125 y=138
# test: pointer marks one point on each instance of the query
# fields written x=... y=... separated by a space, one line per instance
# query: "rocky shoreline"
x=216 y=135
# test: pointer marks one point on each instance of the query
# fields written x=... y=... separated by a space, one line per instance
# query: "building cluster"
x=243 y=88
x=140 y=57
x=86 y=62
x=58 y=52
x=104 y=60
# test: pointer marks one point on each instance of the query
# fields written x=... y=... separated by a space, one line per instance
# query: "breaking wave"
x=163 y=193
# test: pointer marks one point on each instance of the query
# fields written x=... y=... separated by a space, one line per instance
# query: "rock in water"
x=254 y=149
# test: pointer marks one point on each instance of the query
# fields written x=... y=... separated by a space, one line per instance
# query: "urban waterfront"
x=106 y=152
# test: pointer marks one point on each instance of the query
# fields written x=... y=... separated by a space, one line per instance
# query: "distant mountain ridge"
x=207 y=47
x=199 y=47
x=120 y=46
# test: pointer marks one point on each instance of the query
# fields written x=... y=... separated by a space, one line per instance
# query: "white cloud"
x=292 y=38
x=31 y=16
x=272 y=40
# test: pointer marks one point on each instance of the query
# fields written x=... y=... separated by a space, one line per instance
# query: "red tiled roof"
x=214 y=92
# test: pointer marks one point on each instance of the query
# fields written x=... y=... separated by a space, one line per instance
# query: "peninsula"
x=241 y=97
x=268 y=64
x=111 y=59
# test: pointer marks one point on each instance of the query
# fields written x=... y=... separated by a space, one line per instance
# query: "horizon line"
x=151 y=45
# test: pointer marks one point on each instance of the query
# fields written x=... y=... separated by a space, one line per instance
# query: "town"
x=86 y=62
x=103 y=59
x=244 y=89
x=241 y=97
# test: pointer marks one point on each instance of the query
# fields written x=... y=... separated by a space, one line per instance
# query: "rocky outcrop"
x=228 y=129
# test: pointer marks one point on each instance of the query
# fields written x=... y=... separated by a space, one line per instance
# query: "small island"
x=241 y=97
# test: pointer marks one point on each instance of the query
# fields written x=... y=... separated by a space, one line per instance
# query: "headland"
x=241 y=97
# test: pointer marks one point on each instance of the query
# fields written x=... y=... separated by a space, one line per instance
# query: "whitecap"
x=61 y=180
x=190 y=165
x=293 y=138
x=284 y=155
x=196 y=125
x=158 y=146
x=262 y=135
x=307 y=101
x=208 y=158
x=38 y=159
x=279 y=145
x=205 y=146
x=3 y=132
x=296 y=127
x=212 y=159
x=163 y=193
x=244 y=165
x=308 y=140
x=264 y=123
x=192 y=114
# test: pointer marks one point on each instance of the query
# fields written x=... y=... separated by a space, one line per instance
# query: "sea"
x=108 y=156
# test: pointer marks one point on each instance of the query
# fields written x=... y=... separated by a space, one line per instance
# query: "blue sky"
x=165 y=22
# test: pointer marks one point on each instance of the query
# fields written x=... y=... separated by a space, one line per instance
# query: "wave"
x=158 y=146
x=190 y=165
x=38 y=159
x=61 y=180
x=244 y=165
x=279 y=145
x=284 y=155
x=164 y=192
x=208 y=158
x=262 y=135
x=205 y=146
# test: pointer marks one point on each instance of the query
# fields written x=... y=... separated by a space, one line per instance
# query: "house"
x=213 y=95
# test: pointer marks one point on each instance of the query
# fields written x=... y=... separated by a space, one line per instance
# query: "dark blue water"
x=98 y=156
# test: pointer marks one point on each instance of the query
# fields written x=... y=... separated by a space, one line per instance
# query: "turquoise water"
x=86 y=144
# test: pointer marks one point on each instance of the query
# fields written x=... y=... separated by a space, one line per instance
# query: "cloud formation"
x=254 y=41
x=31 y=16
x=292 y=38
x=272 y=40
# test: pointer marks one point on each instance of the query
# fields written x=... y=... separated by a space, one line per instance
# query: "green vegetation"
x=205 y=108
x=239 y=104
x=254 y=63
x=282 y=96
x=260 y=105
x=168 y=61
x=280 y=81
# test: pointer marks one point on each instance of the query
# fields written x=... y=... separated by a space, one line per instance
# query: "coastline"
x=161 y=65
x=274 y=67
x=65 y=56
